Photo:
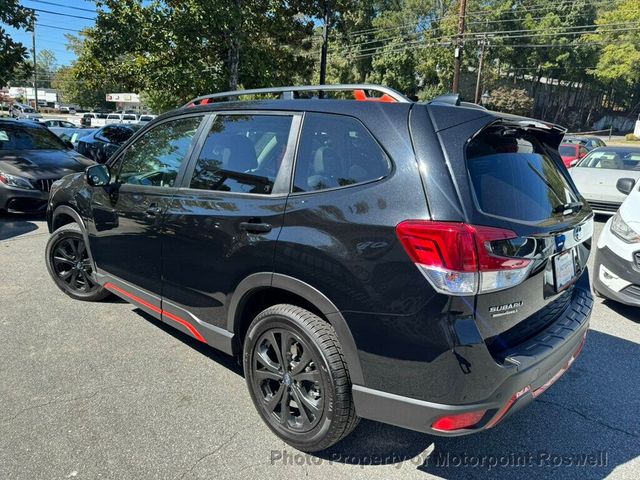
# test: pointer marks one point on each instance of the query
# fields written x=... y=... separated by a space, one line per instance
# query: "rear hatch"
x=510 y=177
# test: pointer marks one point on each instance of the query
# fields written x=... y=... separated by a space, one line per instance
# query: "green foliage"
x=511 y=100
x=13 y=55
x=620 y=57
x=173 y=50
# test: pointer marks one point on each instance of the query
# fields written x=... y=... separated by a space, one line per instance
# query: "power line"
x=61 y=14
x=416 y=23
x=498 y=34
x=63 y=6
x=58 y=28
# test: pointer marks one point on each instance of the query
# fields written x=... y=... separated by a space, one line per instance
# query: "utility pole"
x=483 y=44
x=325 y=44
x=458 y=50
x=35 y=66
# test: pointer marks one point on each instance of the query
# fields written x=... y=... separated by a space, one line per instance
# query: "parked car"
x=67 y=110
x=384 y=259
x=31 y=159
x=72 y=135
x=146 y=118
x=617 y=263
x=571 y=153
x=18 y=110
x=125 y=118
x=93 y=119
x=100 y=144
x=597 y=174
x=588 y=142
x=55 y=122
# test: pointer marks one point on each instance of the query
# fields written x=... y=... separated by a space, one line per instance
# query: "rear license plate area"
x=564 y=269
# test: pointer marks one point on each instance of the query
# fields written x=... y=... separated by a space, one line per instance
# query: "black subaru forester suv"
x=419 y=264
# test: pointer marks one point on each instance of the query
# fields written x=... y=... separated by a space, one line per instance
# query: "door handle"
x=255 y=227
x=153 y=210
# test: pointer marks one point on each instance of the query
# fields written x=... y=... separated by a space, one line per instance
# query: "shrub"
x=630 y=137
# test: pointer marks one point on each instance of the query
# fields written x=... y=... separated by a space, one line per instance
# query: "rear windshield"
x=567 y=150
x=514 y=177
x=129 y=117
x=19 y=137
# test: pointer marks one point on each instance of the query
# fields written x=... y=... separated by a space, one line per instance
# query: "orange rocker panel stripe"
x=175 y=318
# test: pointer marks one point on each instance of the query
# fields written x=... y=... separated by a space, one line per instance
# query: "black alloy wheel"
x=297 y=377
x=70 y=266
x=288 y=379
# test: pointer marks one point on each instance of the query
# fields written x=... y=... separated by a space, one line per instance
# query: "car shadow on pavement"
x=592 y=410
x=217 y=356
x=627 y=311
x=586 y=425
x=14 y=225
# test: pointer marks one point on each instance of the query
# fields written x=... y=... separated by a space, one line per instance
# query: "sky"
x=64 y=18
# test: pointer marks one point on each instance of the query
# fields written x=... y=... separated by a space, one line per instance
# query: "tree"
x=85 y=82
x=511 y=100
x=620 y=57
x=12 y=54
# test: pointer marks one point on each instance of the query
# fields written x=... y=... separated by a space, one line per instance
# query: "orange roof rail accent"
x=361 y=96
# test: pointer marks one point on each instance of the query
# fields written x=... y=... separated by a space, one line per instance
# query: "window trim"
x=339 y=187
x=122 y=150
x=285 y=174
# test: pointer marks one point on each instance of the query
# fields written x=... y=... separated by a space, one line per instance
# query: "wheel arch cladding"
x=266 y=289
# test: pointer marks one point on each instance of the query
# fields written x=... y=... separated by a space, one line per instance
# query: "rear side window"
x=514 y=177
x=242 y=153
x=337 y=151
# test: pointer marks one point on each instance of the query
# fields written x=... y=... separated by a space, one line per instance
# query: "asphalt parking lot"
x=103 y=391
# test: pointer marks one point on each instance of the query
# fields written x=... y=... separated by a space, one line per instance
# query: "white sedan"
x=597 y=175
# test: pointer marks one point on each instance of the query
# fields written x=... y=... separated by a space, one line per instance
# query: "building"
x=126 y=101
x=47 y=97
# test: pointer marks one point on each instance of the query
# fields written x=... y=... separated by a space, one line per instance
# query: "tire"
x=322 y=381
x=69 y=265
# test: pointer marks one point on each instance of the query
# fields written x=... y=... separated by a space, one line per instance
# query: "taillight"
x=462 y=259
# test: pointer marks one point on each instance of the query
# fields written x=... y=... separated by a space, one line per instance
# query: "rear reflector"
x=459 y=259
x=458 y=422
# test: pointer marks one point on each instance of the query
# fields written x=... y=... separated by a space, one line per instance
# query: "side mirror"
x=625 y=185
x=98 y=175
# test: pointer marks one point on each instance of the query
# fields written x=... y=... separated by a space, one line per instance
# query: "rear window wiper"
x=571 y=207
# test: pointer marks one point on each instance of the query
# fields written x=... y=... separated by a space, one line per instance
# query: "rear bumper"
x=22 y=201
x=616 y=278
x=534 y=365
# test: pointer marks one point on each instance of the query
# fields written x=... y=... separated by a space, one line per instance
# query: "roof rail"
x=288 y=93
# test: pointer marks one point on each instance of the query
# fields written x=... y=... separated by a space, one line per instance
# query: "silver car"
x=597 y=176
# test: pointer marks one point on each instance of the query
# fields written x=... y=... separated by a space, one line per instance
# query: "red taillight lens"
x=439 y=244
x=457 y=258
x=459 y=421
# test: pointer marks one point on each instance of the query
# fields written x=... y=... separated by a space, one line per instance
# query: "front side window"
x=337 y=151
x=155 y=158
x=514 y=177
x=242 y=153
